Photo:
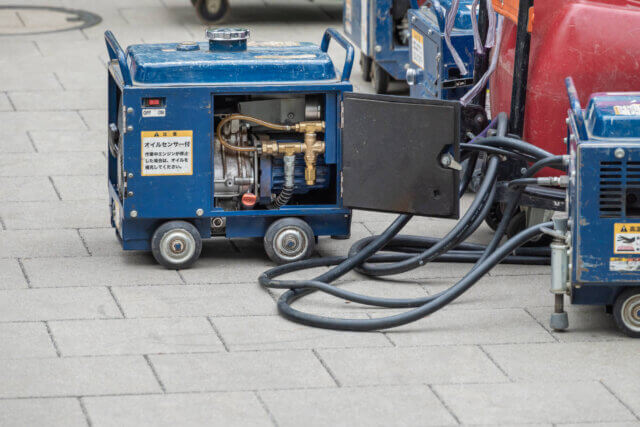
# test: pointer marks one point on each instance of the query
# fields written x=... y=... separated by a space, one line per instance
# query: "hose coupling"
x=554 y=181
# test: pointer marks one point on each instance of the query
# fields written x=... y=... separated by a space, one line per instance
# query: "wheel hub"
x=631 y=313
x=177 y=245
x=213 y=6
x=291 y=243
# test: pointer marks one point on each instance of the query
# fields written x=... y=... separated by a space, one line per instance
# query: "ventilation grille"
x=611 y=190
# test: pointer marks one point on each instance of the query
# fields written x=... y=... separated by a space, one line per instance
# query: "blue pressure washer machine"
x=597 y=258
x=395 y=36
x=239 y=139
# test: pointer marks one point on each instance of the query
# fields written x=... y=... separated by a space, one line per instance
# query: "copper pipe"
x=244 y=118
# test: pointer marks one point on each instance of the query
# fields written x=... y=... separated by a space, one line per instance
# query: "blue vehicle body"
x=188 y=84
x=386 y=40
x=604 y=196
x=433 y=69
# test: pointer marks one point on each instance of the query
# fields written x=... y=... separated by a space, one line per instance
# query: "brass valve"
x=311 y=147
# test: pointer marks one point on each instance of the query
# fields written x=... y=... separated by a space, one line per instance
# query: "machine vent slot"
x=612 y=195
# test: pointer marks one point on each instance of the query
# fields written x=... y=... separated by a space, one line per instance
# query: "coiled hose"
x=410 y=252
x=282 y=198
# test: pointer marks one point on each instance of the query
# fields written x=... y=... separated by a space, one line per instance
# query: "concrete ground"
x=90 y=335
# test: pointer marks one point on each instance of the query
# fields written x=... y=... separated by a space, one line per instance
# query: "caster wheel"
x=176 y=244
x=494 y=216
x=365 y=64
x=289 y=240
x=211 y=11
x=380 y=79
x=626 y=312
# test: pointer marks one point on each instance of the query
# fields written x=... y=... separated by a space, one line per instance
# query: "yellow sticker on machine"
x=417 y=49
x=626 y=238
x=167 y=153
x=624 y=264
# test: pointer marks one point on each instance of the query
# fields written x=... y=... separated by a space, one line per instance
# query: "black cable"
x=282 y=199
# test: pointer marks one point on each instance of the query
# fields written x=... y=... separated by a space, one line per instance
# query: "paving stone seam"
x=85 y=412
x=497 y=365
x=217 y=332
x=444 y=404
x=326 y=367
x=57 y=78
x=84 y=243
x=52 y=338
x=24 y=272
x=115 y=300
x=622 y=402
x=55 y=189
x=264 y=405
x=32 y=141
x=526 y=310
x=155 y=373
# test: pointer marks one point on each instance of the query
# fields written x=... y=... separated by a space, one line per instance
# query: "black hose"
x=403 y=253
x=282 y=199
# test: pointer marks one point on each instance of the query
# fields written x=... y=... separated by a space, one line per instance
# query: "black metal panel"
x=391 y=154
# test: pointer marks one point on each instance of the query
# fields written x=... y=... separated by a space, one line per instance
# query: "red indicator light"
x=153 y=101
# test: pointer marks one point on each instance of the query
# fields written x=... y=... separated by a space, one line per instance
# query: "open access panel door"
x=391 y=154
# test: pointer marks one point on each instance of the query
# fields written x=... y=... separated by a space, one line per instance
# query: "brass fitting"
x=311 y=147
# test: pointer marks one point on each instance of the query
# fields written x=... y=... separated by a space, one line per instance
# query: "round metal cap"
x=227 y=34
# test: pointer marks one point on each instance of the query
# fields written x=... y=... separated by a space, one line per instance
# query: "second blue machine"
x=396 y=36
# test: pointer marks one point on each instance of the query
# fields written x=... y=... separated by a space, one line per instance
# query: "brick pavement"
x=90 y=335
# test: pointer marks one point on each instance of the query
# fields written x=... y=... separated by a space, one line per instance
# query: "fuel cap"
x=228 y=39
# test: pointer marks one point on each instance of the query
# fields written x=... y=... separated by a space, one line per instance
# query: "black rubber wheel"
x=494 y=216
x=176 y=244
x=211 y=11
x=365 y=64
x=626 y=312
x=380 y=79
x=288 y=240
x=519 y=223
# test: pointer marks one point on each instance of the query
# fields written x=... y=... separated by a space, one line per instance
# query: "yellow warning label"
x=627 y=110
x=626 y=238
x=417 y=49
x=167 y=153
x=624 y=264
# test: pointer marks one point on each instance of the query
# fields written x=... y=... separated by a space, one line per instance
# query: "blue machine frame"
x=148 y=201
x=369 y=24
x=434 y=73
x=604 y=191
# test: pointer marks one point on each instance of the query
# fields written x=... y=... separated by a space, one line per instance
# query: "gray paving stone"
x=370 y=406
x=449 y=327
x=240 y=371
x=26 y=80
x=16 y=49
x=627 y=390
x=103 y=242
x=123 y=270
x=586 y=323
x=274 y=332
x=26 y=189
x=57 y=412
x=90 y=187
x=568 y=362
x=58 y=100
x=83 y=140
x=80 y=80
x=16 y=142
x=40 y=243
x=331 y=247
x=533 y=403
x=25 y=340
x=57 y=214
x=11 y=276
x=71 y=376
x=415 y=365
x=194 y=300
x=220 y=264
x=49 y=120
x=47 y=164
x=500 y=292
x=220 y=409
x=605 y=424
x=135 y=336
x=95 y=119
x=56 y=304
x=520 y=270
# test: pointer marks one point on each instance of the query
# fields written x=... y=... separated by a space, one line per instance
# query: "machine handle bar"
x=116 y=53
x=575 y=106
x=332 y=33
